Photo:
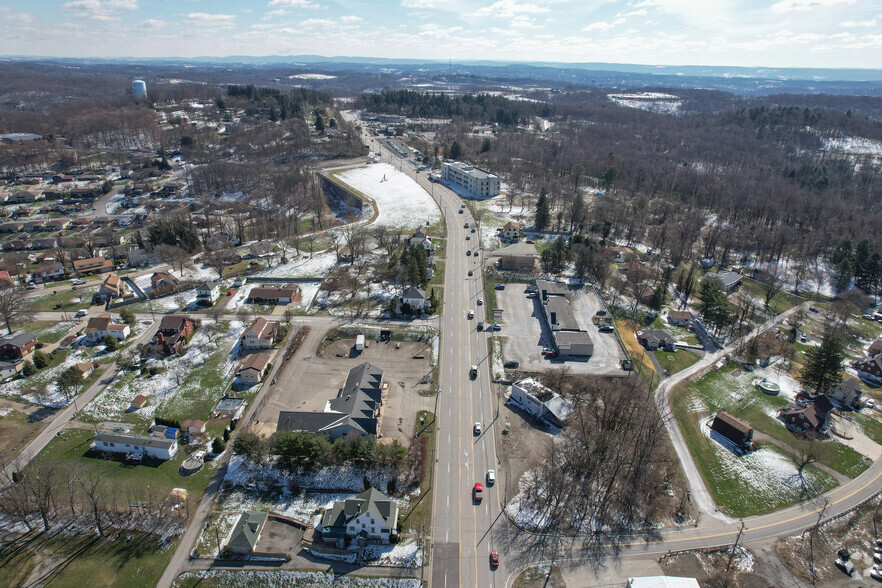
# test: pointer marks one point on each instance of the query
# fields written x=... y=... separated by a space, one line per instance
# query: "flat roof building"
x=475 y=181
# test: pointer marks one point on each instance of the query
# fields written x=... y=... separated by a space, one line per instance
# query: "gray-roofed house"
x=17 y=345
x=570 y=339
x=137 y=445
x=518 y=257
x=207 y=293
x=415 y=298
x=246 y=533
x=653 y=339
x=728 y=280
x=371 y=516
x=848 y=392
x=354 y=410
x=541 y=401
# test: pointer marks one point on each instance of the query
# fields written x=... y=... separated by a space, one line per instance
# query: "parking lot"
x=525 y=334
x=310 y=381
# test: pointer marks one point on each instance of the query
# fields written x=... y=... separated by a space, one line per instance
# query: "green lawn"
x=438 y=275
x=49 y=331
x=781 y=302
x=870 y=425
x=721 y=391
x=673 y=362
x=129 y=559
x=490 y=282
x=46 y=300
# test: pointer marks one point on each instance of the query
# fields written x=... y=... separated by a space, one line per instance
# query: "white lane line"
x=448 y=501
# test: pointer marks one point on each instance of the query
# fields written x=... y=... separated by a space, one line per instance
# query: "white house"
x=540 y=401
x=102 y=325
x=137 y=445
x=260 y=334
x=372 y=516
x=511 y=231
x=207 y=292
x=415 y=297
x=254 y=368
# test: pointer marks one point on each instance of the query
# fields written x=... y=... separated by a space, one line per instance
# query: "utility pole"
x=732 y=553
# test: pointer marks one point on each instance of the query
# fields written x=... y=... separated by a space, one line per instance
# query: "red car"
x=494 y=558
x=478 y=491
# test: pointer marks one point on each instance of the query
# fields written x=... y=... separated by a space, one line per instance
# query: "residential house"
x=807 y=417
x=254 y=368
x=875 y=347
x=520 y=257
x=35 y=226
x=85 y=368
x=273 y=294
x=92 y=265
x=142 y=257
x=260 y=334
x=245 y=536
x=45 y=243
x=193 y=427
x=7 y=370
x=354 y=410
x=420 y=237
x=102 y=325
x=57 y=224
x=540 y=401
x=138 y=402
x=680 y=318
x=48 y=270
x=415 y=298
x=653 y=339
x=137 y=445
x=511 y=231
x=371 y=516
x=163 y=281
x=568 y=336
x=112 y=287
x=5 y=279
x=222 y=241
x=12 y=227
x=207 y=293
x=848 y=392
x=870 y=370
x=17 y=345
x=173 y=333
x=729 y=281
x=623 y=254
x=16 y=245
x=733 y=429
x=24 y=196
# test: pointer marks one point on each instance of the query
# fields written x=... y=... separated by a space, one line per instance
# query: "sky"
x=773 y=33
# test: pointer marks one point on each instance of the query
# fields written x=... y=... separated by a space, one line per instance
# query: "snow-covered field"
x=113 y=402
x=335 y=478
x=291 y=579
x=29 y=389
x=311 y=76
x=301 y=506
x=854 y=146
x=401 y=202
x=650 y=101
x=406 y=555
x=302 y=267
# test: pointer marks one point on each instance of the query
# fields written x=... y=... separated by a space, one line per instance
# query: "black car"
x=500 y=287
x=511 y=365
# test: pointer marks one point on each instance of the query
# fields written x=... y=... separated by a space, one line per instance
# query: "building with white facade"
x=137 y=445
x=475 y=181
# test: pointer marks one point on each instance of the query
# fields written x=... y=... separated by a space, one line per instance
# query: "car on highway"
x=477 y=425
x=494 y=328
x=480 y=325
x=468 y=237
x=530 y=241
x=465 y=225
x=480 y=301
x=491 y=477
x=499 y=287
x=460 y=211
x=494 y=559
x=78 y=282
x=473 y=229
x=471 y=314
x=471 y=273
x=478 y=491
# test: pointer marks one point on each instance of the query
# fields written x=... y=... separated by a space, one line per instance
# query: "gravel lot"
x=525 y=334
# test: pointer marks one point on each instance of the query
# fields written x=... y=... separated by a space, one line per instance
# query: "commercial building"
x=570 y=339
x=475 y=181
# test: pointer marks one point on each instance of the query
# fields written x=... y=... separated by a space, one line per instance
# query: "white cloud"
x=153 y=24
x=293 y=4
x=418 y=3
x=103 y=10
x=805 y=5
x=350 y=19
x=315 y=23
x=639 y=12
x=603 y=26
x=858 y=23
x=7 y=15
x=204 y=19
x=523 y=22
x=510 y=8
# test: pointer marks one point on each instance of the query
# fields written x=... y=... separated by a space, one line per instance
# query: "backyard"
x=675 y=361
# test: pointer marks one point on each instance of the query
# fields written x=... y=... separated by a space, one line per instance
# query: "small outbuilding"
x=733 y=429
x=138 y=402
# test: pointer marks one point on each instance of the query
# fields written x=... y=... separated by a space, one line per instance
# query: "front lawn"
x=49 y=331
x=420 y=512
x=675 y=361
x=62 y=299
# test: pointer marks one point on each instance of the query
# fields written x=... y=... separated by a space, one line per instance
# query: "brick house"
x=273 y=294
x=807 y=417
x=92 y=265
x=172 y=335
x=870 y=370
x=17 y=345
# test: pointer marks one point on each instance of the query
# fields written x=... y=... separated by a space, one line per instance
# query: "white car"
x=81 y=313
x=477 y=428
x=491 y=477
x=471 y=314
x=78 y=282
x=480 y=301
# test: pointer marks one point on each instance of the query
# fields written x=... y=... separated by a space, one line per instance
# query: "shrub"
x=128 y=317
x=28 y=369
x=41 y=360
x=218 y=445
x=111 y=343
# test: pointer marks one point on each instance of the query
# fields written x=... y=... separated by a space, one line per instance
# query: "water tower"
x=139 y=87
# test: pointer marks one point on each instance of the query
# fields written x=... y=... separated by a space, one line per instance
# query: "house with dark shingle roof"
x=653 y=339
x=371 y=516
x=17 y=345
x=809 y=418
x=354 y=410
x=245 y=535
x=733 y=429
x=729 y=281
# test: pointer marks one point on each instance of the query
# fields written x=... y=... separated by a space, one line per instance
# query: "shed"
x=138 y=402
x=359 y=343
x=172 y=433
x=733 y=429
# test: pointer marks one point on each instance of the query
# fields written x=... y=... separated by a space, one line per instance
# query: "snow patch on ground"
x=854 y=146
x=301 y=506
x=28 y=388
x=241 y=472
x=650 y=101
x=316 y=266
x=401 y=201
x=311 y=76
x=290 y=579
x=405 y=555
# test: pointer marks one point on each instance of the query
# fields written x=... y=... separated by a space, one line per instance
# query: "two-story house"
x=17 y=345
x=92 y=265
x=102 y=325
x=260 y=334
x=207 y=293
x=372 y=516
x=173 y=333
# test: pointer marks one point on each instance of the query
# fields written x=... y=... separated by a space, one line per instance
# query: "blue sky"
x=782 y=33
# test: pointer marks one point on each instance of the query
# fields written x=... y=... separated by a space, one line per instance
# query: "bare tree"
x=772 y=284
x=176 y=257
x=14 y=307
x=94 y=484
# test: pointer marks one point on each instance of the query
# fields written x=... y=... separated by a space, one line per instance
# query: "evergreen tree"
x=543 y=211
x=319 y=123
x=822 y=368
x=455 y=151
x=713 y=305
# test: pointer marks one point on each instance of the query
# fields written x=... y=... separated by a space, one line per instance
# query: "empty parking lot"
x=525 y=334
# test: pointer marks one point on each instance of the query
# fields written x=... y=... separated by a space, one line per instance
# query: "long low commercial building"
x=570 y=339
x=474 y=180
